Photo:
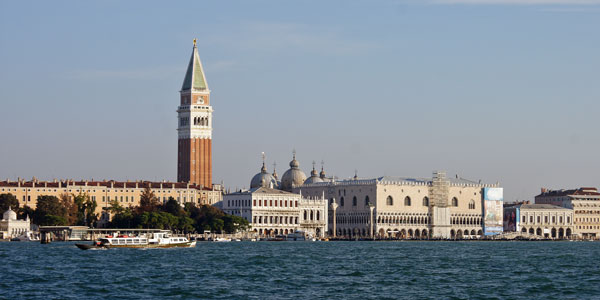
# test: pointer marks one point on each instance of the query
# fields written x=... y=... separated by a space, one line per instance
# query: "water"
x=305 y=270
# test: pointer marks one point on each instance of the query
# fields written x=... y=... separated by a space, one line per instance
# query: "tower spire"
x=194 y=76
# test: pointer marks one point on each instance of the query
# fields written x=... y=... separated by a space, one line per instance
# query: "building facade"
x=544 y=220
x=275 y=212
x=104 y=192
x=585 y=203
x=395 y=207
x=194 y=150
x=11 y=227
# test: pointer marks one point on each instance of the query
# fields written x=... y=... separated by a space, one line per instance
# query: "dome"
x=9 y=215
x=263 y=179
x=292 y=177
x=313 y=179
x=314 y=176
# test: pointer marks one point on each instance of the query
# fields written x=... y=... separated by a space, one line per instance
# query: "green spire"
x=194 y=77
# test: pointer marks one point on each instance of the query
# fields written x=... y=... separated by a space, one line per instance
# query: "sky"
x=501 y=91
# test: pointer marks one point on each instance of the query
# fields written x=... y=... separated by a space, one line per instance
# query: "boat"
x=26 y=236
x=154 y=240
x=220 y=239
x=296 y=236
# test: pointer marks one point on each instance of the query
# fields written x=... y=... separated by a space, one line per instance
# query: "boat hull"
x=146 y=246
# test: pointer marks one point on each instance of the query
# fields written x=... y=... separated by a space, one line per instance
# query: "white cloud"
x=520 y=2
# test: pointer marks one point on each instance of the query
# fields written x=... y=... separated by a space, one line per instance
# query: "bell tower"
x=194 y=150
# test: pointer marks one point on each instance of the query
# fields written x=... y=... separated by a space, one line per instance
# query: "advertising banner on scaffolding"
x=493 y=199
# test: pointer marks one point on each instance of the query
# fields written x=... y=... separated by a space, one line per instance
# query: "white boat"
x=154 y=240
x=296 y=236
x=220 y=239
x=27 y=236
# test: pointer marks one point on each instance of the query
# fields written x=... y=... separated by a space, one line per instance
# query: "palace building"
x=394 y=207
x=397 y=207
x=194 y=150
x=127 y=193
x=274 y=212
x=585 y=203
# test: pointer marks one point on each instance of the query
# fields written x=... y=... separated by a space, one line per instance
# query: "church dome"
x=9 y=215
x=314 y=176
x=263 y=179
x=292 y=177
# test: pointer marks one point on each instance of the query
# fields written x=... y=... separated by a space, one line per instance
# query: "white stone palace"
x=274 y=212
x=398 y=207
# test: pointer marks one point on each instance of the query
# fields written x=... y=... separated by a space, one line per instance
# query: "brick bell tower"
x=194 y=151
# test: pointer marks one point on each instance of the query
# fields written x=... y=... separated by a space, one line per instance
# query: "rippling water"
x=305 y=270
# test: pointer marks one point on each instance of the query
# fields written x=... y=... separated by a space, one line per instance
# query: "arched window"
x=318 y=215
x=425 y=201
x=305 y=217
x=389 y=200
x=472 y=204
x=342 y=201
x=407 y=201
x=366 y=200
x=311 y=215
x=454 y=202
x=354 y=201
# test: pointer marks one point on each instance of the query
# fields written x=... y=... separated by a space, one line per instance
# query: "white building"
x=271 y=212
x=397 y=207
x=11 y=227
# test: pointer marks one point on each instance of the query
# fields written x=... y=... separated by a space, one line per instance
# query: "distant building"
x=544 y=220
x=400 y=207
x=11 y=227
x=272 y=212
x=126 y=193
x=585 y=203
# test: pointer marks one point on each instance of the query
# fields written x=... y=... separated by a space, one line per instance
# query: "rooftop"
x=583 y=191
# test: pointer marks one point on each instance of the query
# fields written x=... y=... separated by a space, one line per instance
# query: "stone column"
x=334 y=207
x=371 y=208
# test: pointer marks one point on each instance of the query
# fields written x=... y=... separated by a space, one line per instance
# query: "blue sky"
x=501 y=90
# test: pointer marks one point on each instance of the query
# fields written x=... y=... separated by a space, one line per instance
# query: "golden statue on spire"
x=194 y=42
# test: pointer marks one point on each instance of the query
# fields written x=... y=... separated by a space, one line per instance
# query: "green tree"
x=50 y=211
x=173 y=207
x=8 y=200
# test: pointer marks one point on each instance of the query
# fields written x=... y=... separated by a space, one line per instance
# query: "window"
x=342 y=201
x=425 y=201
x=472 y=204
x=455 y=202
x=389 y=200
x=407 y=201
x=367 y=200
x=354 y=201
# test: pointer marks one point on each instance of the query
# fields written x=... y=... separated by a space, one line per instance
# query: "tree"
x=25 y=212
x=8 y=200
x=148 y=201
x=173 y=207
x=71 y=216
x=50 y=211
